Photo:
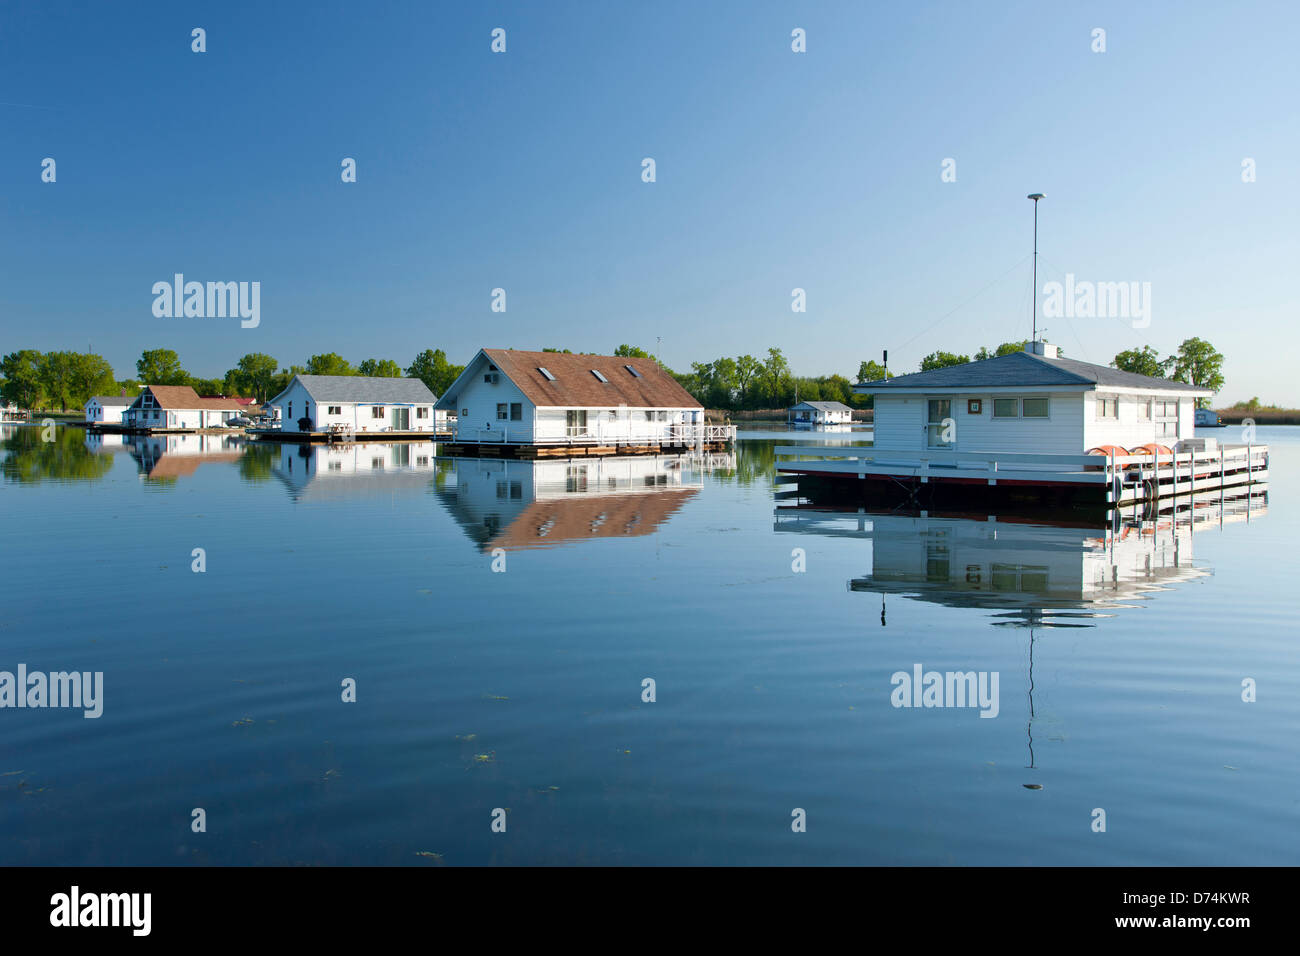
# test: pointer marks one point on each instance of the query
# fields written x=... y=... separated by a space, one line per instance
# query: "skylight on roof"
x=546 y=374
x=632 y=370
x=599 y=377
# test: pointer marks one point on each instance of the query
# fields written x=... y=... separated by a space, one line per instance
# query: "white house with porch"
x=314 y=404
x=177 y=408
x=506 y=396
x=1034 y=402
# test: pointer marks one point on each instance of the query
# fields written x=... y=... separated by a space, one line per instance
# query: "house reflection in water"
x=538 y=504
x=329 y=472
x=1036 y=571
x=166 y=457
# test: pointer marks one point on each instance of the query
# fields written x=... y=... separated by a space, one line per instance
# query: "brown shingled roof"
x=549 y=522
x=182 y=396
x=576 y=387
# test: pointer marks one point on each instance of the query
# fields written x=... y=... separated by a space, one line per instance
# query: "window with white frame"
x=335 y=410
x=377 y=411
x=422 y=411
x=503 y=411
x=1107 y=407
x=1021 y=408
x=1144 y=410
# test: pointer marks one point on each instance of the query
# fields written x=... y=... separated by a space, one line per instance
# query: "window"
x=503 y=411
x=422 y=411
x=663 y=416
x=546 y=374
x=939 y=418
x=336 y=466
x=290 y=411
x=335 y=410
x=649 y=415
x=464 y=413
x=1144 y=411
x=377 y=464
x=634 y=372
x=376 y=411
x=516 y=411
x=1107 y=407
x=974 y=406
x=1020 y=408
x=575 y=420
x=599 y=377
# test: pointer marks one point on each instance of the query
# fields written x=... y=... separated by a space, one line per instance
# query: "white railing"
x=675 y=433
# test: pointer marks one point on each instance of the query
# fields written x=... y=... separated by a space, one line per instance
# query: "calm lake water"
x=1120 y=659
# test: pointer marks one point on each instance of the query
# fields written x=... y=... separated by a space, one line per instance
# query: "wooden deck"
x=833 y=471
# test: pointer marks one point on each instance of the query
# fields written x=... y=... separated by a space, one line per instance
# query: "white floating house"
x=177 y=408
x=1032 y=401
x=1035 y=419
x=820 y=413
x=510 y=397
x=356 y=405
x=106 y=409
x=372 y=469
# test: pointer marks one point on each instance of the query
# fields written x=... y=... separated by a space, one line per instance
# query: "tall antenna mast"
x=1034 y=305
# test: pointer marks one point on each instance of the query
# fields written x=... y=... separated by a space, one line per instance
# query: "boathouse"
x=355 y=406
x=532 y=404
x=177 y=408
x=106 y=409
x=820 y=413
x=1037 y=425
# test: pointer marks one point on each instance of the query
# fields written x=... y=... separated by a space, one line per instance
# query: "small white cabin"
x=106 y=409
x=356 y=403
x=535 y=398
x=820 y=413
x=1032 y=402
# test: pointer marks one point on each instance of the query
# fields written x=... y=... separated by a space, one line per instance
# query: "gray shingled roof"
x=1021 y=369
x=367 y=390
x=112 y=399
x=826 y=406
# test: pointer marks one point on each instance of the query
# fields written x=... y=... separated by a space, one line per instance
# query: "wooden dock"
x=831 y=472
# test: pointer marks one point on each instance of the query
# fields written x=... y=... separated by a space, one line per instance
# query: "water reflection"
x=30 y=459
x=1035 y=574
x=333 y=472
x=538 y=504
x=166 y=458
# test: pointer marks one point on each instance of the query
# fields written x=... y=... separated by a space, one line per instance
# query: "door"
x=401 y=419
x=940 y=429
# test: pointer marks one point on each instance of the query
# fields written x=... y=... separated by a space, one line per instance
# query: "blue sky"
x=775 y=170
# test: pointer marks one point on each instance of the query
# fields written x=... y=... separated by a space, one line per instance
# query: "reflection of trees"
x=27 y=459
x=257 y=461
x=755 y=461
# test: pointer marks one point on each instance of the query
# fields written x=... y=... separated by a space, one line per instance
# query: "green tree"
x=254 y=376
x=432 y=368
x=1197 y=362
x=160 y=367
x=872 y=371
x=207 y=387
x=631 y=351
x=747 y=369
x=282 y=379
x=942 y=360
x=1146 y=361
x=56 y=378
x=1006 y=348
x=22 y=374
x=380 y=368
x=90 y=374
x=560 y=351
x=330 y=363
x=775 y=379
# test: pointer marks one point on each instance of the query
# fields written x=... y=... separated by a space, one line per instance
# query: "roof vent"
x=1044 y=349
